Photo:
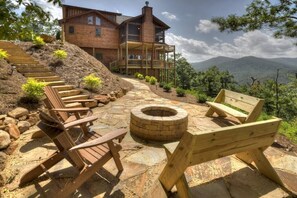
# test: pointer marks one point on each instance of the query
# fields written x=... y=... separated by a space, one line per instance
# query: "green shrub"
x=147 y=78
x=92 y=82
x=136 y=74
x=140 y=77
x=161 y=84
x=153 y=80
x=201 y=98
x=180 y=92
x=38 y=41
x=289 y=129
x=33 y=89
x=167 y=87
x=3 y=54
x=60 y=54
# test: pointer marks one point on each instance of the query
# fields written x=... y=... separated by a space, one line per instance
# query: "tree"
x=184 y=72
x=281 y=17
x=21 y=26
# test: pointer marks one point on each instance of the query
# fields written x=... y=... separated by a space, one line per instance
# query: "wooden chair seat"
x=228 y=110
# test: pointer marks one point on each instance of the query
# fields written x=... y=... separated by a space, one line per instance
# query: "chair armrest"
x=80 y=121
x=72 y=110
x=117 y=134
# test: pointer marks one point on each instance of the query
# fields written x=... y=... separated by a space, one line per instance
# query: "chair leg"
x=209 y=112
x=183 y=189
x=38 y=170
x=116 y=156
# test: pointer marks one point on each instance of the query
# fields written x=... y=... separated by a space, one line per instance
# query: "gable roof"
x=155 y=20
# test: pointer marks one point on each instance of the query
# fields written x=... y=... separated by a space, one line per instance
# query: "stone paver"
x=143 y=161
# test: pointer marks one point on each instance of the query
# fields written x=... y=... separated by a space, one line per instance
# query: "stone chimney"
x=147 y=12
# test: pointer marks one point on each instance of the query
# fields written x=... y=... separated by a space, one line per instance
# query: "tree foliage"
x=32 y=20
x=281 y=17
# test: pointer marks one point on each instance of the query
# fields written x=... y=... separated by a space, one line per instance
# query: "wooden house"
x=130 y=44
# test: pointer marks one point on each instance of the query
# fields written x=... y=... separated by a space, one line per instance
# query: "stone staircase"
x=31 y=68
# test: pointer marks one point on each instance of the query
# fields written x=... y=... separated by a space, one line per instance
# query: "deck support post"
x=174 y=61
x=127 y=53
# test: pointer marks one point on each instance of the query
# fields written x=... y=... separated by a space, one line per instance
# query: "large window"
x=98 y=21
x=98 y=31
x=159 y=36
x=71 y=30
x=134 y=32
x=90 y=20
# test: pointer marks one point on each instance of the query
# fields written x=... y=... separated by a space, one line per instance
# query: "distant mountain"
x=244 y=68
x=287 y=61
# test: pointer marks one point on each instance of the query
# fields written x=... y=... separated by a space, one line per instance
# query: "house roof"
x=155 y=19
x=122 y=18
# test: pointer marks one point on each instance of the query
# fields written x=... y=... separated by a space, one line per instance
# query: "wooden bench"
x=247 y=141
x=251 y=105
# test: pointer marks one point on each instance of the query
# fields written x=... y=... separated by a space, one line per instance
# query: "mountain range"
x=246 y=67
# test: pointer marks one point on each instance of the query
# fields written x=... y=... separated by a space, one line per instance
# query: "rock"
x=1 y=122
x=9 y=120
x=2 y=127
x=102 y=99
x=112 y=94
x=2 y=161
x=11 y=148
x=2 y=179
x=47 y=38
x=22 y=118
x=124 y=90
x=113 y=98
x=33 y=118
x=23 y=126
x=14 y=131
x=37 y=134
x=18 y=112
x=100 y=105
x=4 y=139
x=2 y=117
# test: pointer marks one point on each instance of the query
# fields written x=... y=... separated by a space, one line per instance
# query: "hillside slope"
x=204 y=65
x=245 y=68
x=77 y=65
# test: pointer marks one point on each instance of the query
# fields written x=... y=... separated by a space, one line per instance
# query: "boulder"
x=112 y=94
x=33 y=118
x=11 y=148
x=102 y=99
x=9 y=120
x=113 y=98
x=37 y=134
x=18 y=112
x=23 y=126
x=14 y=131
x=2 y=117
x=2 y=160
x=22 y=118
x=4 y=139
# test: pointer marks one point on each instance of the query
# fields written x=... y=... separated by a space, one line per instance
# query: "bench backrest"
x=195 y=148
x=250 y=104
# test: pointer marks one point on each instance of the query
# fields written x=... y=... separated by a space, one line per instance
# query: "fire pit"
x=158 y=122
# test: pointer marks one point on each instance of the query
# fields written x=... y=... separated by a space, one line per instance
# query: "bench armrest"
x=118 y=134
x=80 y=121
x=71 y=110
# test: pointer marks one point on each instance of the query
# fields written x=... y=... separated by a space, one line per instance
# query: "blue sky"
x=191 y=30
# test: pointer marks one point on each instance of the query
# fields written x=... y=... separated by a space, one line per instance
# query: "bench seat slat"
x=227 y=109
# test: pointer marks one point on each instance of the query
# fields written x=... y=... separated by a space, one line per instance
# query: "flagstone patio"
x=143 y=161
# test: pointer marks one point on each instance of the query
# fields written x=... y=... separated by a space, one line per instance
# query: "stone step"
x=48 y=78
x=77 y=97
x=28 y=65
x=25 y=70
x=23 y=62
x=73 y=105
x=64 y=87
x=56 y=83
x=67 y=93
x=38 y=74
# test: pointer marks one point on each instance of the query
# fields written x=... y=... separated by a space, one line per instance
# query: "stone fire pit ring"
x=158 y=122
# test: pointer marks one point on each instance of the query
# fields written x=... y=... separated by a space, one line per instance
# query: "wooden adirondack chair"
x=92 y=152
x=247 y=141
x=58 y=109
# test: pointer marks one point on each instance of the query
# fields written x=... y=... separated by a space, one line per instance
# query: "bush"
x=201 y=98
x=136 y=74
x=147 y=78
x=92 y=82
x=60 y=54
x=140 y=77
x=167 y=87
x=180 y=92
x=3 y=54
x=38 y=41
x=153 y=80
x=161 y=84
x=33 y=89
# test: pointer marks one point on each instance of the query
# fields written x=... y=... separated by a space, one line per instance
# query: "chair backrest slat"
x=55 y=100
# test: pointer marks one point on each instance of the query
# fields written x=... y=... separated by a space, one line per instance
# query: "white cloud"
x=170 y=16
x=54 y=10
x=257 y=43
x=205 y=26
x=217 y=39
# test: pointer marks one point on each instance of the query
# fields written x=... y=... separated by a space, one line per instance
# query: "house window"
x=99 y=56
x=98 y=31
x=98 y=21
x=71 y=30
x=90 y=20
